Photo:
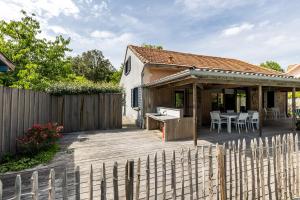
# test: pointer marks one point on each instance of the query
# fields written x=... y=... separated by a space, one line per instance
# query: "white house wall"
x=130 y=81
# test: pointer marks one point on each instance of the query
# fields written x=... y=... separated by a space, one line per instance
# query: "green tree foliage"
x=272 y=65
x=152 y=46
x=38 y=61
x=93 y=66
x=116 y=76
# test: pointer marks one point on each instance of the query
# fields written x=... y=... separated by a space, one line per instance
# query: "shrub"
x=21 y=162
x=87 y=87
x=39 y=137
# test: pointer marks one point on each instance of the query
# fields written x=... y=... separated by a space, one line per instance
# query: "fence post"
x=235 y=169
x=196 y=173
x=131 y=179
x=230 y=170
x=182 y=174
x=138 y=179
x=278 y=156
x=35 y=186
x=262 y=177
x=217 y=174
x=268 y=167
x=291 y=165
x=126 y=180
x=155 y=176
x=91 y=183
x=115 y=181
x=65 y=184
x=148 y=178
x=18 y=184
x=190 y=174
x=1 y=190
x=203 y=172
x=284 y=178
x=77 y=183
x=244 y=158
x=51 y=185
x=239 y=147
x=252 y=169
x=221 y=171
x=210 y=173
x=163 y=175
x=275 y=167
x=103 y=183
x=297 y=164
x=173 y=176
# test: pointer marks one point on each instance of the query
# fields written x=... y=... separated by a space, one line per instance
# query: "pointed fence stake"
x=18 y=184
x=51 y=190
x=115 y=181
x=138 y=180
x=35 y=186
x=77 y=183
x=103 y=183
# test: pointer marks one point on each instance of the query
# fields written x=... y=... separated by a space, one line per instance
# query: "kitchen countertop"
x=162 y=118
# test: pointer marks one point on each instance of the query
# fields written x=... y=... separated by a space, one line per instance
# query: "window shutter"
x=139 y=97
x=132 y=97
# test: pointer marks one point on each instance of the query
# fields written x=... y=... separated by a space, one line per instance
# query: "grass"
x=22 y=162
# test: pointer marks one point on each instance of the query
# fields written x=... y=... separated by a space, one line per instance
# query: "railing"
x=262 y=169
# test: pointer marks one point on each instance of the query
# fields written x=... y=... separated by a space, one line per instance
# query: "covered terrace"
x=197 y=92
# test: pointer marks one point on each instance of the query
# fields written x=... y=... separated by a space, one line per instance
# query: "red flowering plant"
x=39 y=137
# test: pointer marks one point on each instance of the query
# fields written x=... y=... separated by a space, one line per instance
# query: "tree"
x=272 y=65
x=116 y=76
x=94 y=66
x=152 y=46
x=38 y=61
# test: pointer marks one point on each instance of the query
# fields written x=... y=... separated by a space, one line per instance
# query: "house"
x=5 y=64
x=195 y=85
x=293 y=70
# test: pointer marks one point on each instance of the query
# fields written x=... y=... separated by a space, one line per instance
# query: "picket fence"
x=20 y=109
x=265 y=169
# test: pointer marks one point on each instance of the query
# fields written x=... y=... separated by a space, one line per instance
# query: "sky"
x=250 y=30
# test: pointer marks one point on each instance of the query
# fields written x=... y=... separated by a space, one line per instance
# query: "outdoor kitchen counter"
x=160 y=117
x=172 y=127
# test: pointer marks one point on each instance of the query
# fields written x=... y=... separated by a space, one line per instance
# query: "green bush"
x=69 y=88
x=21 y=162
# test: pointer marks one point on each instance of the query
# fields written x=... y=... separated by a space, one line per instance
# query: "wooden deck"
x=95 y=147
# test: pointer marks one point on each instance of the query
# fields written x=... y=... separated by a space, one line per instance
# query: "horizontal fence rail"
x=262 y=169
x=20 y=109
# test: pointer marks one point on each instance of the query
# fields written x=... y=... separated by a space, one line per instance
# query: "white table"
x=229 y=117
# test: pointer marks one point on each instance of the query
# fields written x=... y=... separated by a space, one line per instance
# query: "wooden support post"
x=260 y=109
x=294 y=108
x=195 y=135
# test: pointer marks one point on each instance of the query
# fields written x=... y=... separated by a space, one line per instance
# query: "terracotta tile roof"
x=156 y=56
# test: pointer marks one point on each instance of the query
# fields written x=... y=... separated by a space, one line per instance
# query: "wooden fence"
x=263 y=169
x=20 y=109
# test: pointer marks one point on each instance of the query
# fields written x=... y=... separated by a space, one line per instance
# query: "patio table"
x=229 y=117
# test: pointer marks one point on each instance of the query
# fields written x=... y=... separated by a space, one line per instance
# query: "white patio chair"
x=216 y=120
x=254 y=120
x=230 y=111
x=268 y=113
x=241 y=122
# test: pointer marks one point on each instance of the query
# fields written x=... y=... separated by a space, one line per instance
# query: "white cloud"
x=102 y=34
x=235 y=30
x=274 y=41
x=57 y=29
x=10 y=9
x=211 y=7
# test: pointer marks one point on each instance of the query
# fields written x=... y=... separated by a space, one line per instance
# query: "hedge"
x=69 y=88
